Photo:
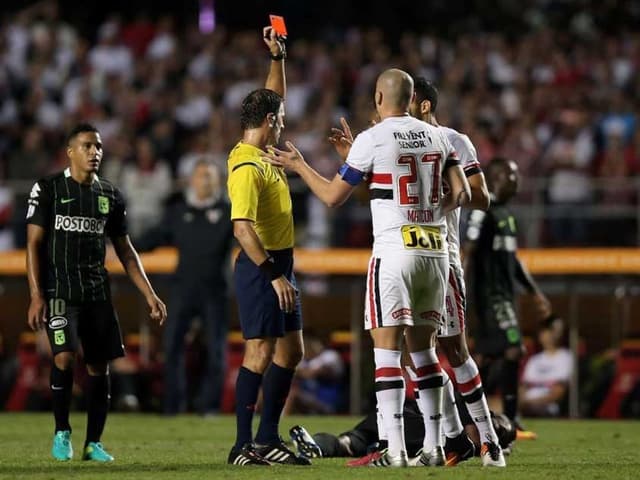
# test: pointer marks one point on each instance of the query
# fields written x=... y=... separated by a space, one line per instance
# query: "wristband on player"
x=280 y=56
x=267 y=269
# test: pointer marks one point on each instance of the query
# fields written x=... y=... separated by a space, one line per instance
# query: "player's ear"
x=425 y=107
x=378 y=97
x=271 y=120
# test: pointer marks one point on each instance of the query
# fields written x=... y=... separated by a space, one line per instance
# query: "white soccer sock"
x=390 y=395
x=451 y=424
x=382 y=432
x=470 y=387
x=429 y=381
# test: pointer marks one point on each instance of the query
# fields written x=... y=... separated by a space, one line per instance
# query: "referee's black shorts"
x=94 y=325
x=258 y=306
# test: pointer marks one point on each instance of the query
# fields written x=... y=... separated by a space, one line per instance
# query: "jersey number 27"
x=411 y=178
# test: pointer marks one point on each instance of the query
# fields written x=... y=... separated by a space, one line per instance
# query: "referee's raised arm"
x=276 y=80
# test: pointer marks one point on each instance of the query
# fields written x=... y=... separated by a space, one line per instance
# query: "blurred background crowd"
x=556 y=90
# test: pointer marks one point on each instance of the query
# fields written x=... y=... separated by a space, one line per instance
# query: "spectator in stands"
x=6 y=213
x=546 y=377
x=146 y=183
x=31 y=158
x=569 y=160
x=505 y=95
x=199 y=228
x=319 y=379
x=110 y=56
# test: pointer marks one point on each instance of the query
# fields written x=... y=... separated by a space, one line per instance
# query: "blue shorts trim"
x=258 y=309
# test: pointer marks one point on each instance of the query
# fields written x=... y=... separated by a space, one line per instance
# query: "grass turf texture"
x=190 y=447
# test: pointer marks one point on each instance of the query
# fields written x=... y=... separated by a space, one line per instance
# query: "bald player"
x=405 y=160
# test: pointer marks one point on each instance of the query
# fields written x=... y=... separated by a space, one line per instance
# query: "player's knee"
x=258 y=357
x=291 y=357
x=455 y=350
x=64 y=360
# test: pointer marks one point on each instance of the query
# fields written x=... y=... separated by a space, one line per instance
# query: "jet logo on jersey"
x=103 y=204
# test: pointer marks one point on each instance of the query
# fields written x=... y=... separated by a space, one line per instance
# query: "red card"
x=277 y=23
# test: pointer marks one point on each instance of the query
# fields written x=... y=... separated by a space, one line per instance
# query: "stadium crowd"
x=562 y=102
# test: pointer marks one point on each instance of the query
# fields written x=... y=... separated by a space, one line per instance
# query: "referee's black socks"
x=247 y=389
x=275 y=390
x=97 y=406
x=61 y=389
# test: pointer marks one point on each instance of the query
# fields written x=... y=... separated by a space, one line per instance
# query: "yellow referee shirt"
x=259 y=192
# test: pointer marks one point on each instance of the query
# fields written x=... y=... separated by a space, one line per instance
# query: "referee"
x=268 y=309
x=69 y=216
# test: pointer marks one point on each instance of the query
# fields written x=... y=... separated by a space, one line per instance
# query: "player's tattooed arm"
x=460 y=191
x=479 y=192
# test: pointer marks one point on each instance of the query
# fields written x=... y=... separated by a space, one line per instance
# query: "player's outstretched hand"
x=286 y=293
x=158 y=309
x=342 y=139
x=290 y=159
x=274 y=41
x=37 y=316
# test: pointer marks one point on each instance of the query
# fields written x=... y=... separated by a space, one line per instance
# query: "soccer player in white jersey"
x=405 y=160
x=451 y=335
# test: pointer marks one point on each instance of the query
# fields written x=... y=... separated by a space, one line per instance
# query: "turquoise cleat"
x=62 y=449
x=96 y=452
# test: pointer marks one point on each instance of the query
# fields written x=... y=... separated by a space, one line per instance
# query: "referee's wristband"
x=267 y=269
x=280 y=56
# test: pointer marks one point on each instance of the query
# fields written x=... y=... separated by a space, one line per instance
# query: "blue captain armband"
x=350 y=175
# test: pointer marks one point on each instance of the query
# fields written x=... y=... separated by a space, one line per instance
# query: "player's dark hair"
x=257 y=105
x=78 y=129
x=497 y=163
x=425 y=90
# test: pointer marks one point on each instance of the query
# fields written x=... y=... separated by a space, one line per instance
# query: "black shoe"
x=246 y=455
x=279 y=453
x=458 y=449
x=306 y=445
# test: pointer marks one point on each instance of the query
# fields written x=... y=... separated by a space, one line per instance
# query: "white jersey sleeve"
x=468 y=157
x=466 y=153
x=362 y=152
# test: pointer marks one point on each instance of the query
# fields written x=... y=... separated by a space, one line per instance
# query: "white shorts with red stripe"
x=405 y=290
x=455 y=304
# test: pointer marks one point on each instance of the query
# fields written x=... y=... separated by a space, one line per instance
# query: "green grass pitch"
x=191 y=447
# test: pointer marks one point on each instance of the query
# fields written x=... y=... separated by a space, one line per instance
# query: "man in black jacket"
x=199 y=228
